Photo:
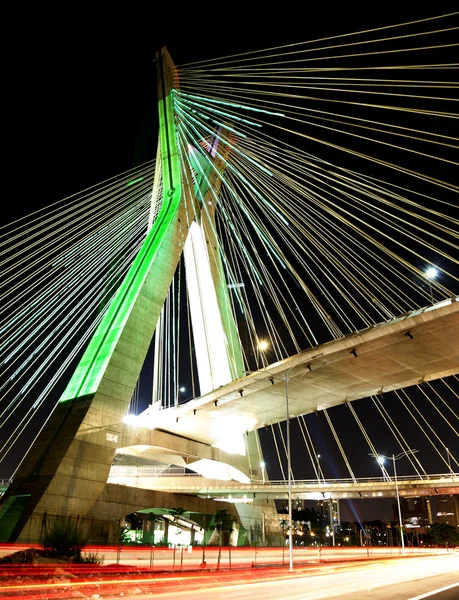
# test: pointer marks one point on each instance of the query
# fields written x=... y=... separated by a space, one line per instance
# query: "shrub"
x=91 y=558
x=63 y=539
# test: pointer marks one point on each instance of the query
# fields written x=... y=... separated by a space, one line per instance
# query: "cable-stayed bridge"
x=240 y=231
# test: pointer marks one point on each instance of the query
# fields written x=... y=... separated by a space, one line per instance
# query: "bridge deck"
x=311 y=490
x=417 y=347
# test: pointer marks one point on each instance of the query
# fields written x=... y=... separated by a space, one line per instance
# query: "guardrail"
x=134 y=472
x=146 y=471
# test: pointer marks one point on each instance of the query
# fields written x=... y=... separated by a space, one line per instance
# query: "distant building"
x=416 y=513
x=448 y=510
x=330 y=511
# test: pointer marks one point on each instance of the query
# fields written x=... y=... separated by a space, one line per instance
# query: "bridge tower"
x=66 y=470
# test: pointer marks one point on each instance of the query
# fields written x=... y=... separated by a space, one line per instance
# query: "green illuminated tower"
x=66 y=471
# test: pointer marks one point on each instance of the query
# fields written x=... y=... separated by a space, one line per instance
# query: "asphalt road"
x=381 y=580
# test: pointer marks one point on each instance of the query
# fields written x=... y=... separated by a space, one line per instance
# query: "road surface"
x=394 y=579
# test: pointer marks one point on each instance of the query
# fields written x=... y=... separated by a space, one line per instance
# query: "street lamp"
x=380 y=458
x=289 y=476
x=289 y=480
x=262 y=347
x=431 y=273
x=332 y=520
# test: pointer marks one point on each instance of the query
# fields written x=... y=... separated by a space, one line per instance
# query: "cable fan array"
x=345 y=442
x=60 y=268
x=337 y=190
x=314 y=227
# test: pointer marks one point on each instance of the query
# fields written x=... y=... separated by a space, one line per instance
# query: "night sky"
x=81 y=85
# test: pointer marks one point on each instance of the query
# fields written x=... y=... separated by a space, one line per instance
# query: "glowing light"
x=431 y=273
x=129 y=183
x=213 y=469
x=232 y=444
x=210 y=339
x=88 y=375
x=132 y=420
x=229 y=433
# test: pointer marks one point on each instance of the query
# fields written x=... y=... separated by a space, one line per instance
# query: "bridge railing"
x=147 y=471
x=334 y=481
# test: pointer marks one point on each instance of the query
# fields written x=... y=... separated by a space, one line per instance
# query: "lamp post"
x=431 y=273
x=289 y=476
x=289 y=480
x=400 y=520
x=380 y=458
x=332 y=519
x=262 y=347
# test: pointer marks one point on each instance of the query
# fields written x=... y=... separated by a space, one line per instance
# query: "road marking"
x=443 y=589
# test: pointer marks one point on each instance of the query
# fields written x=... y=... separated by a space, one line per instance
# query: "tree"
x=444 y=534
x=284 y=524
x=63 y=538
x=223 y=523
x=152 y=520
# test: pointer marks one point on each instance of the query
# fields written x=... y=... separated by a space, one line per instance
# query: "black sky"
x=81 y=80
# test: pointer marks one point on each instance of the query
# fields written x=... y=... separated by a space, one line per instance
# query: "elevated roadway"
x=430 y=485
x=419 y=346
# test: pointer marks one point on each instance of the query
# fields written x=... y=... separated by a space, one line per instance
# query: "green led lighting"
x=224 y=103
x=96 y=359
x=231 y=116
x=92 y=366
x=129 y=183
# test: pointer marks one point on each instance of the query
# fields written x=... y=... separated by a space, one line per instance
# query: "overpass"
x=232 y=491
